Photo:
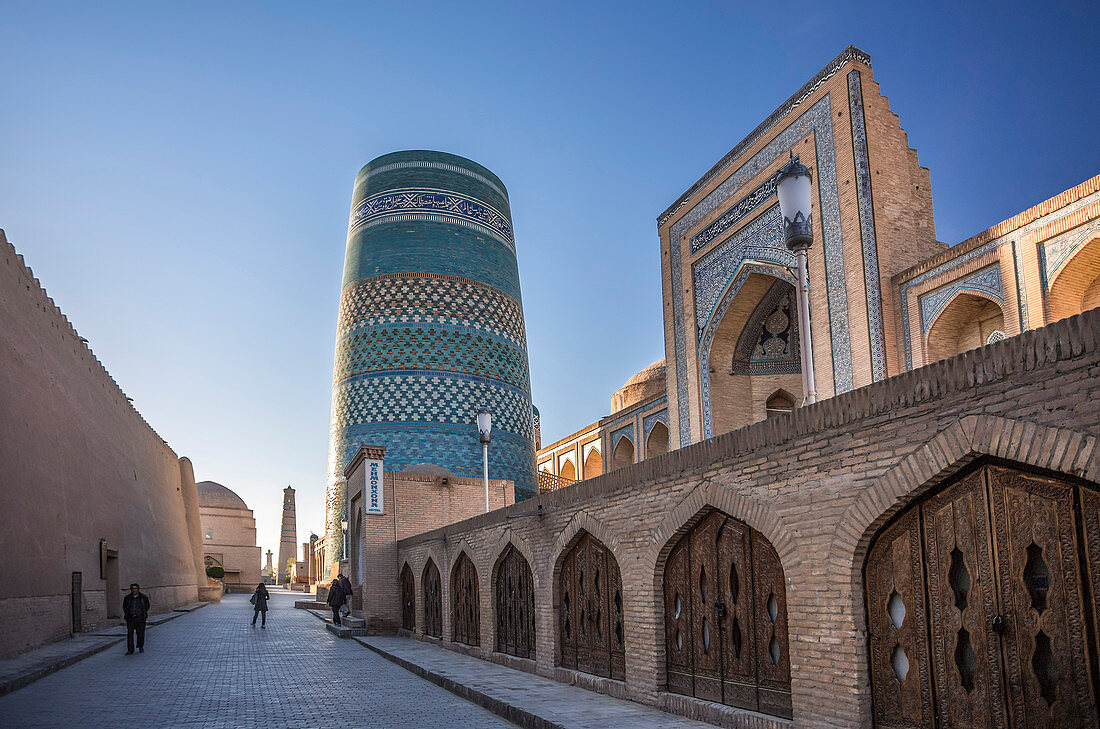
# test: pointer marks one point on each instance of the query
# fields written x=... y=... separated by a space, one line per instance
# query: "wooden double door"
x=981 y=606
x=590 y=614
x=466 y=607
x=515 y=605
x=433 y=600
x=726 y=617
x=408 y=599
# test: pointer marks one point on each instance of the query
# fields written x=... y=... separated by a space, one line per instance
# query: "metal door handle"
x=999 y=624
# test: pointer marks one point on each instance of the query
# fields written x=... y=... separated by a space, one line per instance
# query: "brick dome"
x=642 y=386
x=216 y=495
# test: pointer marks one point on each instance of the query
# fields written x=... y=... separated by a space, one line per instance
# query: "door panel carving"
x=515 y=605
x=466 y=615
x=726 y=617
x=1010 y=638
x=897 y=622
x=590 y=612
x=408 y=599
x=433 y=600
x=1048 y=677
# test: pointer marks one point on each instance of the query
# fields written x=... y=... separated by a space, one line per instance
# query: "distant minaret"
x=270 y=569
x=288 y=540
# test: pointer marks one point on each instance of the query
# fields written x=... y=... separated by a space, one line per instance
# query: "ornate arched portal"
x=981 y=605
x=433 y=600
x=515 y=605
x=726 y=617
x=590 y=613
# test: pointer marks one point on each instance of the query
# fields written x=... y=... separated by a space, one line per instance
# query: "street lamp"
x=795 y=205
x=484 y=433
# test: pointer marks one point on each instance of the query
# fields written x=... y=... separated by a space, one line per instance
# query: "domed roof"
x=428 y=468
x=653 y=372
x=214 y=494
x=646 y=384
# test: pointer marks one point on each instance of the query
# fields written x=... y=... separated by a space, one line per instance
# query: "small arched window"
x=779 y=403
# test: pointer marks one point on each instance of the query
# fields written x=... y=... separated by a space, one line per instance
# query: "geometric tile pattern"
x=867 y=228
x=986 y=280
x=436 y=205
x=769 y=342
x=431 y=325
x=661 y=416
x=405 y=299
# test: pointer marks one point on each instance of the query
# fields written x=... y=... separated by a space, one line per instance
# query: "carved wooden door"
x=466 y=615
x=590 y=615
x=997 y=555
x=1047 y=674
x=515 y=605
x=433 y=600
x=726 y=617
x=408 y=599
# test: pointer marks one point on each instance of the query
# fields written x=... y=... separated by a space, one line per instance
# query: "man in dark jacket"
x=335 y=600
x=136 y=609
x=345 y=583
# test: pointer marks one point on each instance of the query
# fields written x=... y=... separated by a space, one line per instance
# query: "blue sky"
x=179 y=175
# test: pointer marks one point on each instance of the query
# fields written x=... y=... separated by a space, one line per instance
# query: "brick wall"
x=818 y=483
x=79 y=464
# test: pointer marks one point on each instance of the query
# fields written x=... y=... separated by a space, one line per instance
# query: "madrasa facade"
x=886 y=297
x=920 y=547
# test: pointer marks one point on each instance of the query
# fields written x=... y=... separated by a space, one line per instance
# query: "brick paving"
x=553 y=703
x=211 y=669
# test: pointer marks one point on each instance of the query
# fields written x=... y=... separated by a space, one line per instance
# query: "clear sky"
x=179 y=175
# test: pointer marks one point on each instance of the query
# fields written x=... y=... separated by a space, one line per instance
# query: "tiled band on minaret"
x=431 y=322
x=288 y=538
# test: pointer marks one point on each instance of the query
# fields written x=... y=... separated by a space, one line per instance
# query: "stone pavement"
x=528 y=699
x=210 y=669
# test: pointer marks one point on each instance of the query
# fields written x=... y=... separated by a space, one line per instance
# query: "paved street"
x=211 y=669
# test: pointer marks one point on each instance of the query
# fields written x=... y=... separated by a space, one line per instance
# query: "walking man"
x=335 y=600
x=345 y=583
x=136 y=609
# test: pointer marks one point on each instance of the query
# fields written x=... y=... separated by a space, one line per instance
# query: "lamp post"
x=484 y=433
x=794 y=189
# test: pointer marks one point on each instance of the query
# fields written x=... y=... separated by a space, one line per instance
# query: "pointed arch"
x=780 y=402
x=965 y=322
x=465 y=601
x=593 y=463
x=623 y=453
x=431 y=589
x=1075 y=288
x=656 y=443
x=566 y=468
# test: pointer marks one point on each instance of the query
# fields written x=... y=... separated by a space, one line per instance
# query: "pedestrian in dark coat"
x=135 y=607
x=345 y=583
x=259 y=600
x=335 y=600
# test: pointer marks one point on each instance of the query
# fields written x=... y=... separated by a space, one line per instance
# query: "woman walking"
x=259 y=600
x=335 y=600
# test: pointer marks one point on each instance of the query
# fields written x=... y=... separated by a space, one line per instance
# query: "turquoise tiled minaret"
x=431 y=322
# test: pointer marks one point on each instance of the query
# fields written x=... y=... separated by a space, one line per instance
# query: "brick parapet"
x=818 y=483
x=1072 y=195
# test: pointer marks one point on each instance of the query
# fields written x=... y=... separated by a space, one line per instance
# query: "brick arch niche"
x=433 y=600
x=725 y=609
x=978 y=603
x=465 y=603
x=623 y=454
x=968 y=321
x=1076 y=288
x=514 y=604
x=591 y=632
x=408 y=598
